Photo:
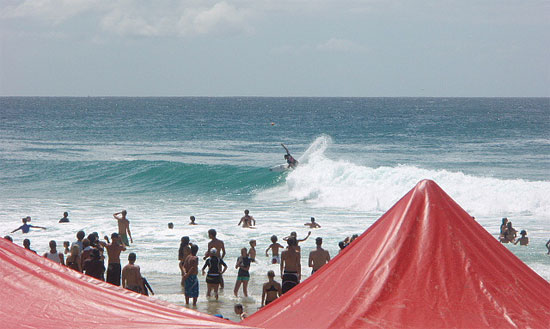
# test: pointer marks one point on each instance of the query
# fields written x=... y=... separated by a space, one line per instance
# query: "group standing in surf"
x=86 y=255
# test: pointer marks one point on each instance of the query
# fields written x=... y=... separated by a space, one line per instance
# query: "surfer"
x=292 y=163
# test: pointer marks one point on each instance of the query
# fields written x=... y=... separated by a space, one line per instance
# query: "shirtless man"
x=247 y=220
x=192 y=219
x=290 y=266
x=131 y=275
x=219 y=246
x=524 y=240
x=318 y=257
x=190 y=269
x=294 y=235
x=65 y=218
x=252 y=250
x=313 y=224
x=292 y=163
x=123 y=227
x=274 y=246
x=113 y=251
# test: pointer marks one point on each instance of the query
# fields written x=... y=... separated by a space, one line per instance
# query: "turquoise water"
x=164 y=159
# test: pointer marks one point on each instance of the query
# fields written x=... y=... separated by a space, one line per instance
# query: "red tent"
x=424 y=264
x=37 y=293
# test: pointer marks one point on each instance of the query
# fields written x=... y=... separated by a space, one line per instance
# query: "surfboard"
x=279 y=168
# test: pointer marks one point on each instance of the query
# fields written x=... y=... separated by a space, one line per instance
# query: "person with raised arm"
x=292 y=163
x=25 y=228
x=123 y=227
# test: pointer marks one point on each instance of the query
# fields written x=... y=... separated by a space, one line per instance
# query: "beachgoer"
x=548 y=246
x=147 y=287
x=183 y=252
x=294 y=235
x=25 y=228
x=247 y=220
x=243 y=265
x=216 y=267
x=524 y=240
x=274 y=246
x=313 y=224
x=170 y=225
x=73 y=260
x=290 y=266
x=271 y=290
x=292 y=163
x=65 y=218
x=511 y=233
x=502 y=236
x=86 y=251
x=54 y=255
x=318 y=257
x=123 y=227
x=239 y=310
x=252 y=250
x=192 y=220
x=7 y=237
x=190 y=270
x=341 y=245
x=220 y=249
x=66 y=245
x=94 y=266
x=131 y=275
x=114 y=248
x=27 y=245
x=79 y=236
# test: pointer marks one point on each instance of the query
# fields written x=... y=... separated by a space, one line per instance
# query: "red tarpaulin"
x=426 y=263
x=37 y=293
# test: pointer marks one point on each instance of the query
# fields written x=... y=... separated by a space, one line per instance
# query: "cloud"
x=221 y=17
x=340 y=45
x=54 y=11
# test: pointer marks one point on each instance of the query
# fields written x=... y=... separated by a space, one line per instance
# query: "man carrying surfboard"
x=292 y=163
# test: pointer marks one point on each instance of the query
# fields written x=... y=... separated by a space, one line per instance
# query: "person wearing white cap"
x=215 y=271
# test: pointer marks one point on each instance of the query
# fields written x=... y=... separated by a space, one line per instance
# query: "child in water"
x=524 y=240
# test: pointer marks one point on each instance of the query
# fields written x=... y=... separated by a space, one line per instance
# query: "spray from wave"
x=323 y=182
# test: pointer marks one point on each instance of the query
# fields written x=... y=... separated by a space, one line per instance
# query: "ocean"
x=165 y=159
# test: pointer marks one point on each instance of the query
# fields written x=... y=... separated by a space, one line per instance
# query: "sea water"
x=165 y=159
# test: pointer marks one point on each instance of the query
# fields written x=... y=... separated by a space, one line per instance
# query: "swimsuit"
x=124 y=239
x=113 y=273
x=192 y=286
x=243 y=274
x=290 y=280
x=214 y=276
x=134 y=289
x=272 y=288
x=275 y=259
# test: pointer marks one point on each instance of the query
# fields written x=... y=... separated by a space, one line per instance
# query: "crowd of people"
x=86 y=255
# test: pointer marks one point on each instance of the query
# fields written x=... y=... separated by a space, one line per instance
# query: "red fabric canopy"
x=37 y=293
x=424 y=264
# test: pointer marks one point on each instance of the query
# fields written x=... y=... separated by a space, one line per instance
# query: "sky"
x=356 y=48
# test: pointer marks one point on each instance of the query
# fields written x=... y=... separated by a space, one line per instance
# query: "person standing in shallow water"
x=123 y=227
x=318 y=257
x=113 y=251
x=247 y=220
x=216 y=267
x=243 y=265
x=131 y=275
x=190 y=270
x=290 y=266
x=271 y=290
x=183 y=252
x=217 y=245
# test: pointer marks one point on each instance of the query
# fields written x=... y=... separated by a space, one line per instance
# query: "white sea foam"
x=324 y=182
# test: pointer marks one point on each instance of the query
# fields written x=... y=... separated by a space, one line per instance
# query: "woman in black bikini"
x=271 y=289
